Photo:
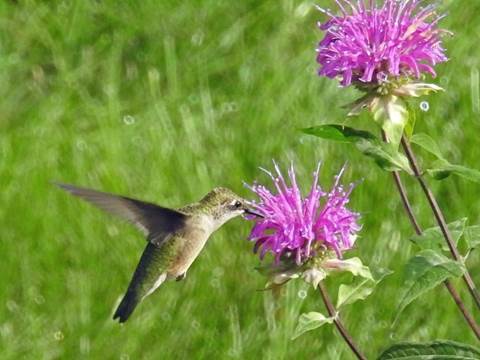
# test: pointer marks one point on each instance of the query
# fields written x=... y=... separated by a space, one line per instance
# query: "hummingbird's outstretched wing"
x=158 y=223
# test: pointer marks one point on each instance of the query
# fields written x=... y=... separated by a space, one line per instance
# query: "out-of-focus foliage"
x=162 y=100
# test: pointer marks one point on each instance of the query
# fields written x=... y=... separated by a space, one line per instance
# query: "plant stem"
x=418 y=230
x=406 y=202
x=461 y=306
x=338 y=323
x=439 y=218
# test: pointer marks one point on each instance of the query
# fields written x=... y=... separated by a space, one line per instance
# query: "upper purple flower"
x=296 y=226
x=370 y=43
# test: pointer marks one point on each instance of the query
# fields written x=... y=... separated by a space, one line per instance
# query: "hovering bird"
x=175 y=237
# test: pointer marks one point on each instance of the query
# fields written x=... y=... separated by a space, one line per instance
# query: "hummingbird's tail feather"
x=147 y=277
x=126 y=307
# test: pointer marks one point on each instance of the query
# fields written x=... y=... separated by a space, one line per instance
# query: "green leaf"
x=428 y=144
x=391 y=113
x=416 y=89
x=432 y=238
x=438 y=174
x=313 y=276
x=317 y=273
x=423 y=272
x=436 y=350
x=385 y=155
x=472 y=236
x=353 y=265
x=411 y=121
x=348 y=294
x=339 y=133
x=279 y=273
x=356 y=107
x=310 y=321
x=463 y=171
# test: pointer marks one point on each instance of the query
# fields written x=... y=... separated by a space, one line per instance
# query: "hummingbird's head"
x=223 y=204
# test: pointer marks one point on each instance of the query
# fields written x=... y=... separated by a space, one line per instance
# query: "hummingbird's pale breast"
x=190 y=245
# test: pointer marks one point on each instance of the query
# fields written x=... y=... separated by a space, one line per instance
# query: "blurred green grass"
x=162 y=101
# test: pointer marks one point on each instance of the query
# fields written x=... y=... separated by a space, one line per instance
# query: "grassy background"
x=163 y=100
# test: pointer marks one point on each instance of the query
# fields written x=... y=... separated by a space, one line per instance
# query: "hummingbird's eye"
x=237 y=204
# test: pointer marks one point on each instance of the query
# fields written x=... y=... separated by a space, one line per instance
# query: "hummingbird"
x=175 y=237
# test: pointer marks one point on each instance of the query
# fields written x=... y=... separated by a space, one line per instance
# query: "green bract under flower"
x=313 y=271
x=387 y=104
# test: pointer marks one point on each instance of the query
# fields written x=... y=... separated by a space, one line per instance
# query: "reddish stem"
x=418 y=230
x=437 y=212
x=338 y=323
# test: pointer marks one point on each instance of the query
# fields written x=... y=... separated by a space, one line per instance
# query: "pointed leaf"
x=385 y=155
x=391 y=113
x=411 y=121
x=432 y=238
x=339 y=133
x=279 y=273
x=356 y=107
x=438 y=174
x=423 y=272
x=282 y=267
x=309 y=322
x=282 y=278
x=472 y=236
x=313 y=276
x=463 y=171
x=353 y=265
x=437 y=350
x=348 y=294
x=416 y=89
x=428 y=144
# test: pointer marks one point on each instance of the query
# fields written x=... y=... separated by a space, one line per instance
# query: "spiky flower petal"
x=298 y=227
x=370 y=43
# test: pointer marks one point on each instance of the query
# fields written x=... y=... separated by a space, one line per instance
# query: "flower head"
x=299 y=227
x=370 y=43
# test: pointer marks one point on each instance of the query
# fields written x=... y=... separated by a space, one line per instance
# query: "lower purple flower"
x=299 y=227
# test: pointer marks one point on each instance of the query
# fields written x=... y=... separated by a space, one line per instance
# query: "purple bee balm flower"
x=369 y=43
x=299 y=227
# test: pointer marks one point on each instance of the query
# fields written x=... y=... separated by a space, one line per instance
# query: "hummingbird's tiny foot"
x=181 y=277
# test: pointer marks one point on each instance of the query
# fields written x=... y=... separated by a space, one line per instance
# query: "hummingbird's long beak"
x=251 y=212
